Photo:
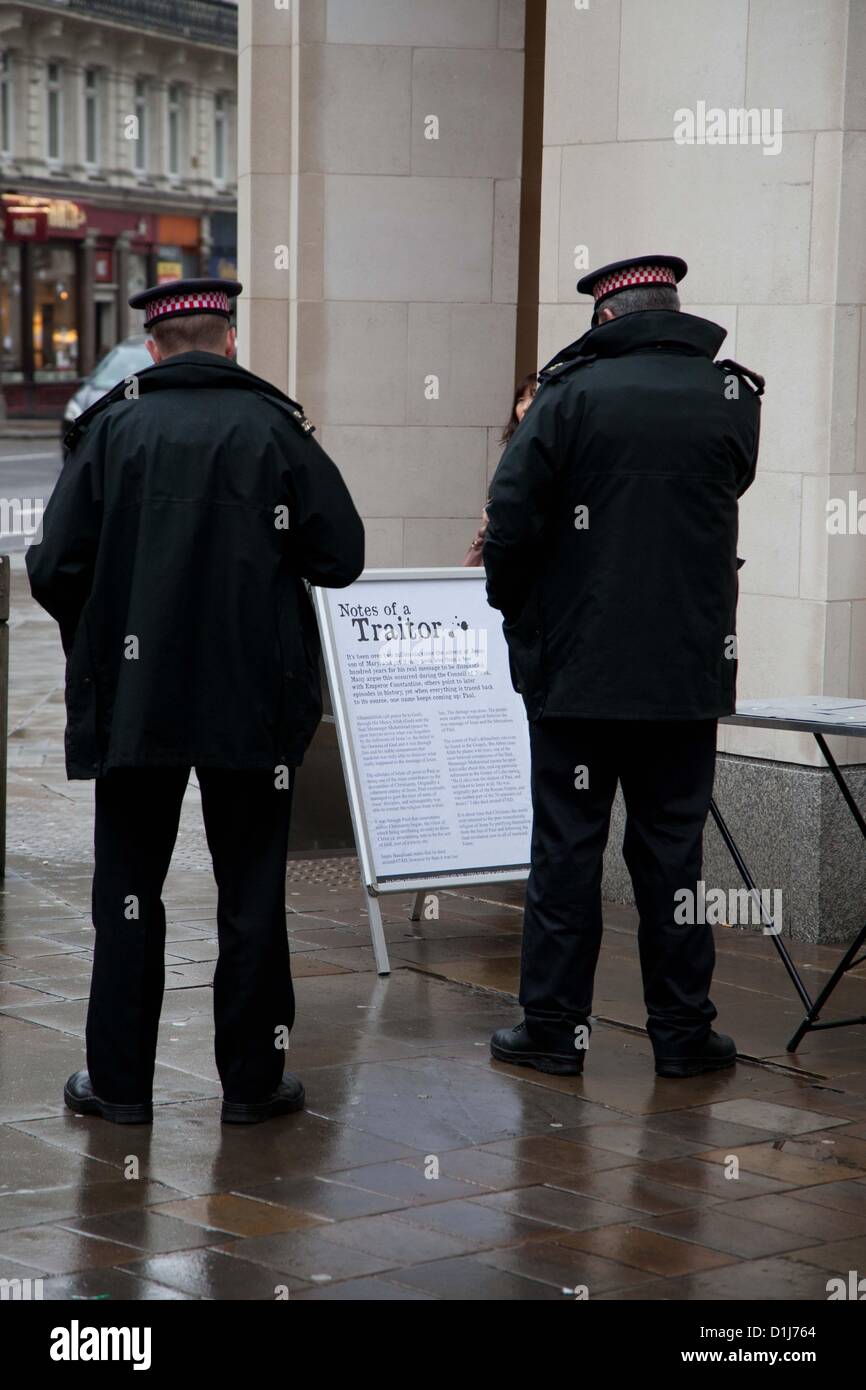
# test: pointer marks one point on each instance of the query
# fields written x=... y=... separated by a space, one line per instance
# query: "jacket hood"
x=188 y=369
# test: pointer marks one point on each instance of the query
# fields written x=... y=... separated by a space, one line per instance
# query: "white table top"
x=819 y=714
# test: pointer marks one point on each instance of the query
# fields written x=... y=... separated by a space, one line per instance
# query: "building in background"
x=420 y=187
x=118 y=124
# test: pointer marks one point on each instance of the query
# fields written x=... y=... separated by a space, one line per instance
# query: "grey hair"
x=643 y=297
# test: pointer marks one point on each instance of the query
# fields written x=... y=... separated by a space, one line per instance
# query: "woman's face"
x=524 y=403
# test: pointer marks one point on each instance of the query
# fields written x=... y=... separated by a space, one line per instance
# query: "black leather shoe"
x=79 y=1096
x=715 y=1053
x=516 y=1046
x=286 y=1099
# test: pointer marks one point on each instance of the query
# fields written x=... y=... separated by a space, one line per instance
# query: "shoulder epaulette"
x=558 y=371
x=756 y=382
x=294 y=411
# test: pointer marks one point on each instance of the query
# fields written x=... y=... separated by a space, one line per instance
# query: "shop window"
x=140 y=151
x=54 y=113
x=7 y=105
x=55 y=312
x=92 y=116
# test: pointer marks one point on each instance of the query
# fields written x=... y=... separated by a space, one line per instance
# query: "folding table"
x=821 y=716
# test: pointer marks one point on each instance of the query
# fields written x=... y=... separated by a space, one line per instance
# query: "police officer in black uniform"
x=612 y=554
x=192 y=505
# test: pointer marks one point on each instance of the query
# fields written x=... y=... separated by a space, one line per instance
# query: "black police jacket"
x=611 y=548
x=173 y=555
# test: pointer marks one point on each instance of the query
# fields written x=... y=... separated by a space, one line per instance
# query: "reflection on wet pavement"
x=420 y=1169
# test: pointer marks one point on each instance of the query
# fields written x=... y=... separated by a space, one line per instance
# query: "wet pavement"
x=420 y=1169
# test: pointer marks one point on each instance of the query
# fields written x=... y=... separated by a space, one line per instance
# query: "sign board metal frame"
x=418 y=884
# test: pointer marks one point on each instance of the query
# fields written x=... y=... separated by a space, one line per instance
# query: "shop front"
x=67 y=270
x=40 y=302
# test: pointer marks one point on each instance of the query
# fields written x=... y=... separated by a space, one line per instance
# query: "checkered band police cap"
x=625 y=275
x=177 y=298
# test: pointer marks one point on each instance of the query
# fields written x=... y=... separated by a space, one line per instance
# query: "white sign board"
x=433 y=737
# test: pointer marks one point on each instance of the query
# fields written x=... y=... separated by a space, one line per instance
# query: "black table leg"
x=850 y=958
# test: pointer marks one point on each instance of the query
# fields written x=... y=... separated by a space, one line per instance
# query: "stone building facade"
x=118 y=167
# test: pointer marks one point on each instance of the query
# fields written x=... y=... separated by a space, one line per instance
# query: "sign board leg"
x=377 y=934
x=417 y=906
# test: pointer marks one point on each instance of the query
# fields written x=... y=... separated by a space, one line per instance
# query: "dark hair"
x=520 y=391
x=190 y=333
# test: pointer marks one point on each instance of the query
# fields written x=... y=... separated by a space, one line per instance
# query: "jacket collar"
x=200 y=369
x=642 y=331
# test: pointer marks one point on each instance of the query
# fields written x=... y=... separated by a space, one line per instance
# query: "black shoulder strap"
x=80 y=426
x=755 y=381
x=558 y=371
x=294 y=411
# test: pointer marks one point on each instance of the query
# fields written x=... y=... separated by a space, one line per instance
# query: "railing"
x=208 y=21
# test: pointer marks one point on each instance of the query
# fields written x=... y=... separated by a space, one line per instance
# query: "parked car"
x=125 y=360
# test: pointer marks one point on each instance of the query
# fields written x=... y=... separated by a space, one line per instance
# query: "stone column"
x=379 y=154
x=205 y=246
x=121 y=276
x=379 y=198
x=28 y=356
x=86 y=312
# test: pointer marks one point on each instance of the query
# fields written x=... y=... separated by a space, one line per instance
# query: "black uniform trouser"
x=666 y=771
x=247 y=825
